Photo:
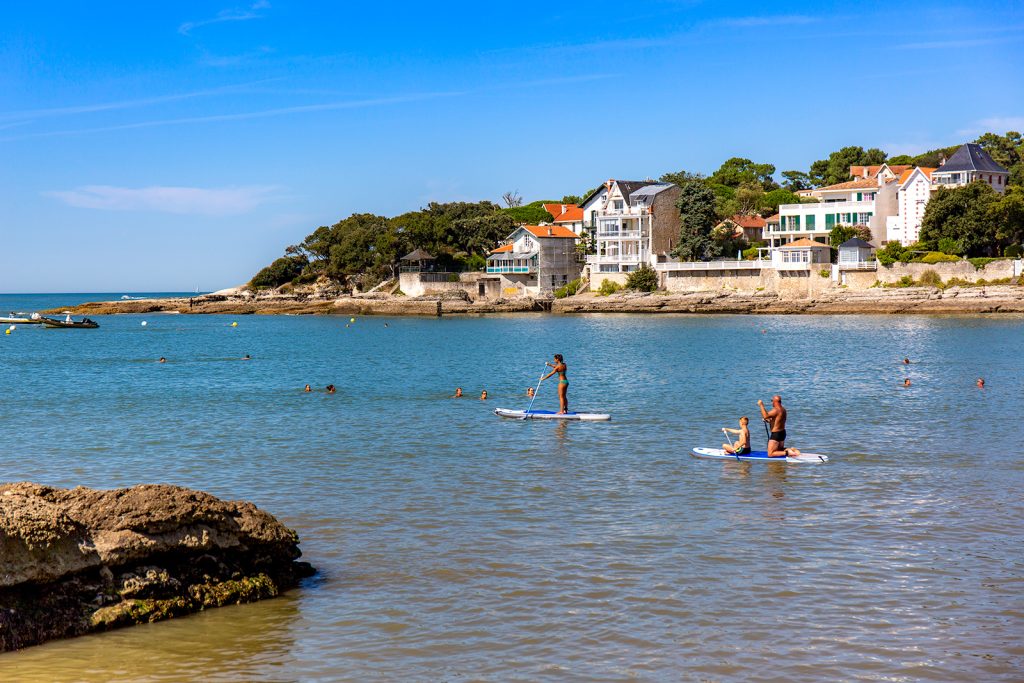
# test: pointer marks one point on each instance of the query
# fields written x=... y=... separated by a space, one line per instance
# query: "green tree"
x=796 y=181
x=680 y=177
x=771 y=200
x=572 y=199
x=930 y=159
x=696 y=206
x=739 y=171
x=836 y=168
x=1007 y=213
x=282 y=270
x=963 y=214
x=749 y=198
x=842 y=233
x=531 y=214
x=643 y=279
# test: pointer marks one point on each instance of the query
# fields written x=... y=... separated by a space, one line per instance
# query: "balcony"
x=511 y=269
x=595 y=259
x=620 y=235
x=713 y=265
x=858 y=265
x=827 y=207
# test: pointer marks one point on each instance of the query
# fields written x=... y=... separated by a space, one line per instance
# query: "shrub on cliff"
x=282 y=270
x=608 y=287
x=933 y=257
x=643 y=279
x=568 y=289
x=929 y=278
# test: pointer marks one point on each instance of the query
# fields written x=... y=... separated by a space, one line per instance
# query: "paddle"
x=731 y=444
x=535 y=392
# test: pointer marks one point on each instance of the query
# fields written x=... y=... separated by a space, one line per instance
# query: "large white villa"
x=889 y=200
x=631 y=222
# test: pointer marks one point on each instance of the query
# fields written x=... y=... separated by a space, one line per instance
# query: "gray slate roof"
x=856 y=242
x=626 y=186
x=970 y=157
x=650 y=189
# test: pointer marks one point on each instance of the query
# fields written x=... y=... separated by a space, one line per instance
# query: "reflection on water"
x=455 y=545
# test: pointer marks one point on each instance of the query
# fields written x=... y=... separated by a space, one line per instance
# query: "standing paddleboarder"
x=776 y=417
x=563 y=383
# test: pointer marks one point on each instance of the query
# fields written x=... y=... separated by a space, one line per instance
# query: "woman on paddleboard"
x=563 y=383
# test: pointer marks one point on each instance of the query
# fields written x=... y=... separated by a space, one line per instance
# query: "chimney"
x=942 y=160
x=550 y=232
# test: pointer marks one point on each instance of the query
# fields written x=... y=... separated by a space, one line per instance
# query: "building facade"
x=631 y=223
x=535 y=260
x=967 y=165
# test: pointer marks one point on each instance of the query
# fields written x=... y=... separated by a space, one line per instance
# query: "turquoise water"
x=453 y=545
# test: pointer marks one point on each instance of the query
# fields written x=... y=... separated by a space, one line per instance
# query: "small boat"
x=551 y=415
x=68 y=323
x=15 y=319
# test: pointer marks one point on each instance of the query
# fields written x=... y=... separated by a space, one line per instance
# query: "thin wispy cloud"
x=126 y=104
x=993 y=124
x=161 y=199
x=761 y=21
x=235 y=14
x=950 y=44
x=239 y=116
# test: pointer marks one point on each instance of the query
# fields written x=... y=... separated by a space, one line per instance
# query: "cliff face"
x=80 y=560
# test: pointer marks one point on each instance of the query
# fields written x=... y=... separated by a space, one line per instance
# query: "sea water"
x=454 y=545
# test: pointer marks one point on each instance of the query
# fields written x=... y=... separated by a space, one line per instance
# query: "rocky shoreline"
x=879 y=300
x=77 y=561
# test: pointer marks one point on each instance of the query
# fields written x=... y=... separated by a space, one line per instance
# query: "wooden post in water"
x=438 y=308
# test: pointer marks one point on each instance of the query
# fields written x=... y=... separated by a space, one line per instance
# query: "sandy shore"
x=921 y=300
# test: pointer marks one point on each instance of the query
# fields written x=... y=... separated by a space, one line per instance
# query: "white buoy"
x=13 y=327
x=144 y=323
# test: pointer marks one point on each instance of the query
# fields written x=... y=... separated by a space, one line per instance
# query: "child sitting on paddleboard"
x=742 y=445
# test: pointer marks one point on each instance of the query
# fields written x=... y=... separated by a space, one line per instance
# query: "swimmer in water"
x=483 y=395
x=247 y=357
x=458 y=392
x=906 y=382
x=906 y=361
x=308 y=389
x=529 y=392
x=981 y=383
x=330 y=389
x=162 y=360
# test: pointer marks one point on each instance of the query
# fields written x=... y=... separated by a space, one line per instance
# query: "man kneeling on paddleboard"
x=776 y=417
x=742 y=445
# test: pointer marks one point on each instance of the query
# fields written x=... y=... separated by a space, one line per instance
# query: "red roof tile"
x=550 y=231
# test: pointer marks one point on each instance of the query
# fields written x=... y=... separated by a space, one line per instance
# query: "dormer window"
x=618 y=204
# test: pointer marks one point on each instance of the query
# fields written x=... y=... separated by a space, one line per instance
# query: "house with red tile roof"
x=535 y=260
x=567 y=215
x=750 y=228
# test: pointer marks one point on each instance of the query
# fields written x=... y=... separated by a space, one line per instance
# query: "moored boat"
x=68 y=323
x=16 y=319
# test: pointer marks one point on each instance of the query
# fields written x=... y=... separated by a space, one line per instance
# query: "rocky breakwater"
x=75 y=561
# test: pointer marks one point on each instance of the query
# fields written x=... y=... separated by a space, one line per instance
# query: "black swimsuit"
x=779 y=436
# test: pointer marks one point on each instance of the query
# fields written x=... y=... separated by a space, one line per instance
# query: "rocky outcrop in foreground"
x=74 y=561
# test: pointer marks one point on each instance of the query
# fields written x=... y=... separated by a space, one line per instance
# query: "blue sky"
x=163 y=146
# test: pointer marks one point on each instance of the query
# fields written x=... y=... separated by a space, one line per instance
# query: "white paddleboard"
x=550 y=415
x=759 y=456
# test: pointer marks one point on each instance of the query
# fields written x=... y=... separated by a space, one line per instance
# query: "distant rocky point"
x=75 y=561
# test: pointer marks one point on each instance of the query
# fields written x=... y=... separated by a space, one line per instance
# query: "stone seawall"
x=75 y=561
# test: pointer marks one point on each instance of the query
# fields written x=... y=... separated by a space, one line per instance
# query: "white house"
x=801 y=255
x=968 y=164
x=856 y=254
x=632 y=222
x=535 y=260
x=915 y=189
x=848 y=203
